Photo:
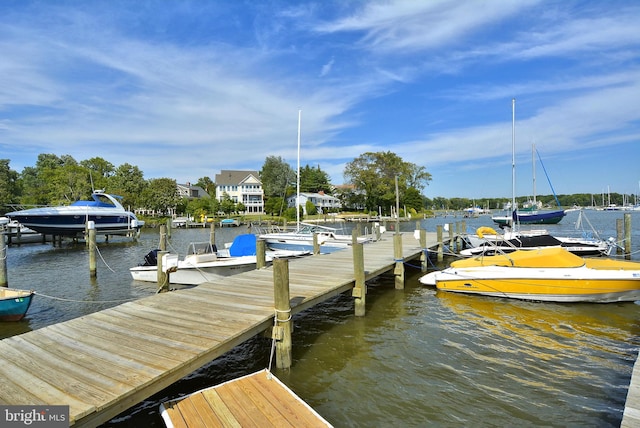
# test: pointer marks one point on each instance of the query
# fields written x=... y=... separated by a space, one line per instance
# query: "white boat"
x=488 y=242
x=205 y=263
x=549 y=275
x=301 y=238
x=106 y=212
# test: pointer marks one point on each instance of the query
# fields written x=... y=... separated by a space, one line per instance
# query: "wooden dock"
x=631 y=416
x=103 y=363
x=256 y=400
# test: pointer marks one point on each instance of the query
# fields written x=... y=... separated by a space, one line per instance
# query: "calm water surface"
x=419 y=357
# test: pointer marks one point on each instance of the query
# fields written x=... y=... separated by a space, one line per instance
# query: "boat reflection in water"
x=534 y=360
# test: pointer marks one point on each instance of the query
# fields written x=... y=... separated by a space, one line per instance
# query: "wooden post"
x=93 y=270
x=282 y=329
x=360 y=288
x=163 y=277
x=398 y=271
x=452 y=243
x=627 y=236
x=463 y=230
x=163 y=237
x=261 y=254
x=316 y=244
x=354 y=236
x=620 y=235
x=169 y=227
x=440 y=243
x=3 y=260
x=424 y=257
x=212 y=234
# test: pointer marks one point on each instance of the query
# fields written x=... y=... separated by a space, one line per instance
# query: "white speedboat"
x=301 y=239
x=106 y=212
x=549 y=274
x=205 y=263
x=488 y=242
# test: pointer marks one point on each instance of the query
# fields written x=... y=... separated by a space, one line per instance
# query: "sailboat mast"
x=513 y=155
x=533 y=162
x=298 y=176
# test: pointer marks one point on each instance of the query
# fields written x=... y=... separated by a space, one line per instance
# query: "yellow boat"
x=549 y=274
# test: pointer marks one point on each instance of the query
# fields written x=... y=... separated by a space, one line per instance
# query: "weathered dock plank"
x=103 y=363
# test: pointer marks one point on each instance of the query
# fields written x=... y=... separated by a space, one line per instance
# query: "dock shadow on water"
x=421 y=357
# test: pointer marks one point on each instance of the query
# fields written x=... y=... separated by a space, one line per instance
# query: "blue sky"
x=183 y=89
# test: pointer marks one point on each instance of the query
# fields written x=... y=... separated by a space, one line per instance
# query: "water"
x=419 y=357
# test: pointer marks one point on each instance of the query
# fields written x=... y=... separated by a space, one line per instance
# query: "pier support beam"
x=212 y=233
x=3 y=261
x=398 y=271
x=452 y=242
x=440 y=243
x=163 y=237
x=424 y=257
x=360 y=289
x=261 y=251
x=91 y=237
x=282 y=328
x=316 y=245
x=619 y=235
x=627 y=236
x=163 y=277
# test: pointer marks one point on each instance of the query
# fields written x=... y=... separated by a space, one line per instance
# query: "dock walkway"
x=103 y=363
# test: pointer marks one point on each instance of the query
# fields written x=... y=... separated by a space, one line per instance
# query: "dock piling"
x=91 y=233
x=360 y=288
x=261 y=250
x=627 y=236
x=398 y=271
x=3 y=261
x=440 y=243
x=163 y=277
x=282 y=327
x=424 y=256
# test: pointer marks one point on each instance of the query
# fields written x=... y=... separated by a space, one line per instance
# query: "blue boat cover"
x=243 y=245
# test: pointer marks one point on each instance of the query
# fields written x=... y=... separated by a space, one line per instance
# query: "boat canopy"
x=542 y=258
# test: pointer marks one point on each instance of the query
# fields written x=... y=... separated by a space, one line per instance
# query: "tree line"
x=59 y=180
x=371 y=181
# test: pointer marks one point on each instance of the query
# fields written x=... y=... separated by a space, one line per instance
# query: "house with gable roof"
x=241 y=186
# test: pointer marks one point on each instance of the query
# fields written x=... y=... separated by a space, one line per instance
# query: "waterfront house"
x=323 y=203
x=241 y=186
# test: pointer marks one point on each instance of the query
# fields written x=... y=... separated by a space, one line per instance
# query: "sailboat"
x=301 y=239
x=526 y=216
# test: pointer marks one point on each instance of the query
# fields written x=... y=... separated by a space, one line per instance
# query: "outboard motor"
x=151 y=259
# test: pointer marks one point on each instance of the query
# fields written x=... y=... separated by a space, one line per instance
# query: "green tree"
x=99 y=171
x=274 y=205
x=311 y=209
x=208 y=185
x=276 y=175
x=128 y=181
x=413 y=199
x=160 y=195
x=314 y=180
x=374 y=174
x=9 y=185
x=227 y=206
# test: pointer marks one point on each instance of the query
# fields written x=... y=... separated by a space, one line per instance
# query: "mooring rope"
x=273 y=339
x=103 y=260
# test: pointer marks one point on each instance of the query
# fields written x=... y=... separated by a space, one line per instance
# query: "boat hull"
x=14 y=304
x=189 y=274
x=75 y=224
x=547 y=290
x=551 y=275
